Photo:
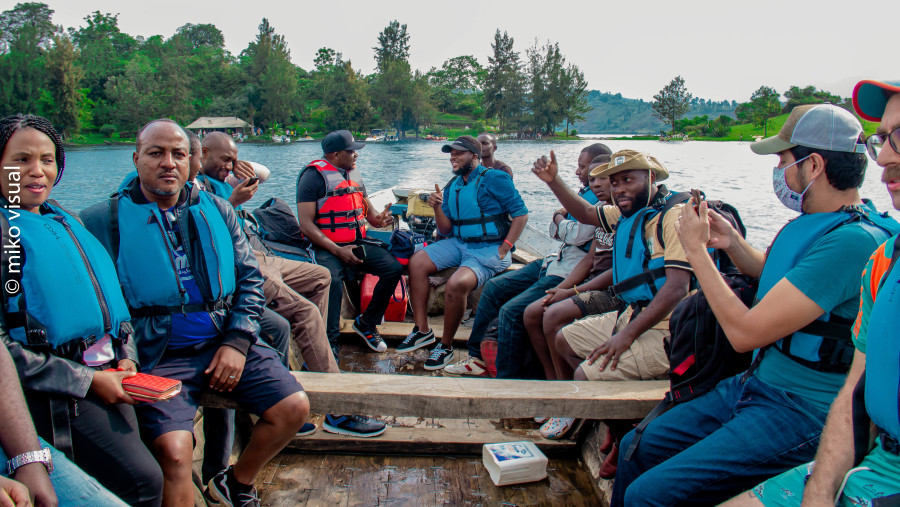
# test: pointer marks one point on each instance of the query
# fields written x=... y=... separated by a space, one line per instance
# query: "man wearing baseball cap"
x=837 y=472
x=333 y=208
x=767 y=420
x=483 y=215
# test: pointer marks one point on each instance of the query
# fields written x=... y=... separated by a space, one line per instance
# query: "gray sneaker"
x=416 y=340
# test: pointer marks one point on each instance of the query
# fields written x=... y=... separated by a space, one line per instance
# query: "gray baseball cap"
x=818 y=126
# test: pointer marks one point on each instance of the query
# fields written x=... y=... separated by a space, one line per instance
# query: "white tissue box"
x=514 y=462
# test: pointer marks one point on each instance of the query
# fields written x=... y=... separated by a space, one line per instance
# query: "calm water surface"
x=727 y=171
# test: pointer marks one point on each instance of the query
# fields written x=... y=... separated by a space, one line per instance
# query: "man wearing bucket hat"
x=483 y=215
x=837 y=477
x=648 y=274
x=767 y=420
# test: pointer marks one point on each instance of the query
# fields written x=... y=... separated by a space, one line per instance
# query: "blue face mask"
x=792 y=200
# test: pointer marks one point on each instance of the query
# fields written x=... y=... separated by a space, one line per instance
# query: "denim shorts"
x=263 y=383
x=482 y=258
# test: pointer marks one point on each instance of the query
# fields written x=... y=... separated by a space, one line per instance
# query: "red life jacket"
x=342 y=211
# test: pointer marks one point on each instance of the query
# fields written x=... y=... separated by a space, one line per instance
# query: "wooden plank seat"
x=478 y=398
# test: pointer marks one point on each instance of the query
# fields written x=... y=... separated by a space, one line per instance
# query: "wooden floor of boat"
x=449 y=473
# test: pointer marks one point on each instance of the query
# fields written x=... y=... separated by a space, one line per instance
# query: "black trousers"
x=377 y=261
x=107 y=445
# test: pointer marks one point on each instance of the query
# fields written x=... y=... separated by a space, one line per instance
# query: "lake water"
x=724 y=170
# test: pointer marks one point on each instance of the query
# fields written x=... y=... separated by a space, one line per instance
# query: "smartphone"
x=252 y=181
x=360 y=252
x=695 y=197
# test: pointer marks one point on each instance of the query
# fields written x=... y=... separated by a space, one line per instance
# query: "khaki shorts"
x=644 y=360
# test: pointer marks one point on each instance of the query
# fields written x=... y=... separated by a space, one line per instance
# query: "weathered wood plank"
x=448 y=397
x=439 y=441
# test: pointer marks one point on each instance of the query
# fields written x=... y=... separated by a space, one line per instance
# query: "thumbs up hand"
x=436 y=199
x=546 y=169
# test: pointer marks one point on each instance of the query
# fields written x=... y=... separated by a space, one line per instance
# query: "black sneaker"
x=440 y=357
x=223 y=489
x=416 y=340
x=308 y=428
x=370 y=335
x=353 y=425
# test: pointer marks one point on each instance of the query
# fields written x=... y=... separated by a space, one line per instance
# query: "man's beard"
x=640 y=201
x=466 y=169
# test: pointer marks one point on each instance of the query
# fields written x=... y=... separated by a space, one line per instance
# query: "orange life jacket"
x=342 y=211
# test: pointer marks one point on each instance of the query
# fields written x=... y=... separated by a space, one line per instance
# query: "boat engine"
x=419 y=215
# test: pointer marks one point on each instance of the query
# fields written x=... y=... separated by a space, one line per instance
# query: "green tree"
x=393 y=45
x=504 y=83
x=393 y=92
x=575 y=103
x=269 y=68
x=672 y=102
x=797 y=96
x=105 y=51
x=764 y=104
x=345 y=104
x=456 y=86
x=63 y=83
x=25 y=35
x=134 y=96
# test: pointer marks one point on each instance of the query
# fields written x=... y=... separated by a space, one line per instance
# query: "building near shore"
x=227 y=124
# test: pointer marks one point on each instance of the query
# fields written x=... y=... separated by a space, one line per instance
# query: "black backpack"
x=699 y=353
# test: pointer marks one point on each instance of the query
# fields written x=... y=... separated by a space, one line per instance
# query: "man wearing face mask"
x=769 y=419
x=483 y=215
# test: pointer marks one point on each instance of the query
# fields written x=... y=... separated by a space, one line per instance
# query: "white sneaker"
x=557 y=427
x=471 y=367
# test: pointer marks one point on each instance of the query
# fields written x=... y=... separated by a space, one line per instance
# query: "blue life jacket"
x=467 y=221
x=883 y=354
x=146 y=257
x=68 y=292
x=825 y=344
x=223 y=190
x=637 y=277
x=586 y=194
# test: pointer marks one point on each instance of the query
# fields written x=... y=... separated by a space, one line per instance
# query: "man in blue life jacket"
x=649 y=274
x=835 y=474
x=767 y=420
x=488 y=143
x=296 y=290
x=507 y=295
x=195 y=296
x=332 y=209
x=483 y=215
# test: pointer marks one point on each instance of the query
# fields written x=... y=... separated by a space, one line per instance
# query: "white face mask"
x=792 y=200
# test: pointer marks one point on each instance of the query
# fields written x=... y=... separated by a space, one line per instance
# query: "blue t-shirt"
x=829 y=275
x=195 y=327
x=496 y=195
x=586 y=194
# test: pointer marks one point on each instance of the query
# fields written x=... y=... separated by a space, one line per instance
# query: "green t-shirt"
x=829 y=275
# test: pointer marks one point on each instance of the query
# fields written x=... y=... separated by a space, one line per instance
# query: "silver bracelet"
x=42 y=456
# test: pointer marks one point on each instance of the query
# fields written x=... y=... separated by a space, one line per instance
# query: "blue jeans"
x=709 y=449
x=507 y=296
x=73 y=487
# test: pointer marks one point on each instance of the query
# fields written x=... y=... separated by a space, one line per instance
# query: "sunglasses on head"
x=875 y=142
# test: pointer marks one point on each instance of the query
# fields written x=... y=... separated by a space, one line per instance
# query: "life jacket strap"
x=344 y=191
x=648 y=278
x=480 y=220
x=156 y=310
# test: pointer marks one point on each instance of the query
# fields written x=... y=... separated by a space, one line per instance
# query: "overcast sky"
x=723 y=49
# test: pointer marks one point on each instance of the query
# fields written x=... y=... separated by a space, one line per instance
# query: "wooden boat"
x=431 y=452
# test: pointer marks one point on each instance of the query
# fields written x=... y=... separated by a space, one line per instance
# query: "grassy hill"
x=614 y=114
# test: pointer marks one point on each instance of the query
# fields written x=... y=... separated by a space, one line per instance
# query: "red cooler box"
x=396 y=310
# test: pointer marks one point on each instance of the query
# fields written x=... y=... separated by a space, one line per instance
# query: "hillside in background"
x=614 y=114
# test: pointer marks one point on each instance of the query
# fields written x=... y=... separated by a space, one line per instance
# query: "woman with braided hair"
x=67 y=323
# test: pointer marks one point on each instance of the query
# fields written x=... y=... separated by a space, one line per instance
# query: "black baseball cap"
x=340 y=140
x=464 y=143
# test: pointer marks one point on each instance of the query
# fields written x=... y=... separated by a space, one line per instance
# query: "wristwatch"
x=42 y=456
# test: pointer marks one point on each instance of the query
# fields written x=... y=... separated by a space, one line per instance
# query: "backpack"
x=699 y=352
x=404 y=243
x=273 y=229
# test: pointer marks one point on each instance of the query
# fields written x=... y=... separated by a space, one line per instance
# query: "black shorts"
x=264 y=382
x=597 y=302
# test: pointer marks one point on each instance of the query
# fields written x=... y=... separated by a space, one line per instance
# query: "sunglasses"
x=875 y=142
